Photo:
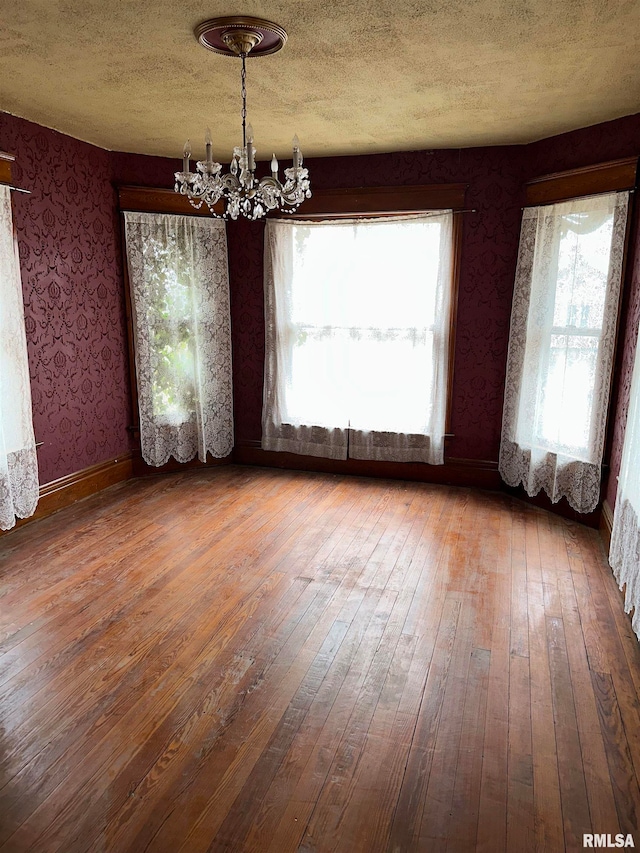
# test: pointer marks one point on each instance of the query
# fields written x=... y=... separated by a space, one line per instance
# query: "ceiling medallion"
x=244 y=195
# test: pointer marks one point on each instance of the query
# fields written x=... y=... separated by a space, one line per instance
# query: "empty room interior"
x=319 y=426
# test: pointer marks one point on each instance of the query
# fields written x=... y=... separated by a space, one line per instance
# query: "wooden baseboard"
x=561 y=507
x=456 y=472
x=142 y=469
x=606 y=524
x=67 y=490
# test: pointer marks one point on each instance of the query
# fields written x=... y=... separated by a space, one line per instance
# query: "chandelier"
x=240 y=189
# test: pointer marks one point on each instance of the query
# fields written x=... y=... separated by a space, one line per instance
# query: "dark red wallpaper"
x=74 y=313
x=138 y=170
x=611 y=140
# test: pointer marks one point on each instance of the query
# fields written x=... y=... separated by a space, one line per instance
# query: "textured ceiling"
x=355 y=76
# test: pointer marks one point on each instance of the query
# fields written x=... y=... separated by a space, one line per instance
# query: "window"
x=358 y=317
x=18 y=462
x=171 y=325
x=563 y=330
x=179 y=288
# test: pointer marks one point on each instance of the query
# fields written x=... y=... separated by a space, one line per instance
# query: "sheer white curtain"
x=18 y=461
x=624 y=553
x=182 y=335
x=357 y=337
x=563 y=330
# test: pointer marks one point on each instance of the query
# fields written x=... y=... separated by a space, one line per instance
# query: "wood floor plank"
x=336 y=796
x=492 y=812
x=463 y=833
x=263 y=661
x=548 y=823
x=405 y=827
x=518 y=610
x=520 y=823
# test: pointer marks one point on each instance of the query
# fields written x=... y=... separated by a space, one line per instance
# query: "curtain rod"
x=333 y=217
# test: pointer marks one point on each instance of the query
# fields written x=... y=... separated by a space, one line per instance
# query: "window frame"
x=377 y=202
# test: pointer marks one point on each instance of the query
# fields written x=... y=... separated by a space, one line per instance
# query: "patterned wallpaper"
x=610 y=140
x=72 y=284
x=71 y=264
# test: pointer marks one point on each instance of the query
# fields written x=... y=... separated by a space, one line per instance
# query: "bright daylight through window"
x=563 y=329
x=566 y=398
x=359 y=335
x=182 y=340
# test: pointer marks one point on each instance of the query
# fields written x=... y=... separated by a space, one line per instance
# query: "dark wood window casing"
x=615 y=176
x=5 y=167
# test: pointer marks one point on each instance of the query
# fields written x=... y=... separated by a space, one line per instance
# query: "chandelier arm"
x=230 y=183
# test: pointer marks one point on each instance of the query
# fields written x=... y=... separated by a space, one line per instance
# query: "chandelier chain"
x=244 y=100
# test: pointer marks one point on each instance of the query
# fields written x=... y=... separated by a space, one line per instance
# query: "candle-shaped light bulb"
x=250 y=149
x=186 y=153
x=274 y=167
x=208 y=142
x=296 y=151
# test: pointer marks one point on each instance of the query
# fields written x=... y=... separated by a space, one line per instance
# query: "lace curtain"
x=182 y=336
x=563 y=330
x=357 y=337
x=18 y=461
x=624 y=553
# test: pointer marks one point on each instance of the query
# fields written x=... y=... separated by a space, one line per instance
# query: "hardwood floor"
x=255 y=660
